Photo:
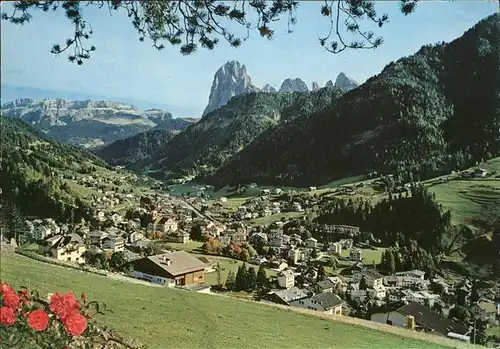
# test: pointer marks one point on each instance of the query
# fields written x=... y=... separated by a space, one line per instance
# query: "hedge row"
x=40 y=258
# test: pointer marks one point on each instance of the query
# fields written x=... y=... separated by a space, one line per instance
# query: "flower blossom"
x=38 y=320
x=7 y=316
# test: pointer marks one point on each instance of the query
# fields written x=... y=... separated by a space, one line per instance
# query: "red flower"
x=38 y=320
x=5 y=288
x=7 y=316
x=65 y=305
x=75 y=324
x=11 y=299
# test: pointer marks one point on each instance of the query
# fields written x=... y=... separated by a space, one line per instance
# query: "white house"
x=295 y=255
x=135 y=236
x=327 y=303
x=356 y=254
x=378 y=292
x=171 y=269
x=372 y=277
x=405 y=282
x=286 y=279
x=336 y=248
x=412 y=273
x=115 y=244
x=422 y=297
x=163 y=224
x=41 y=232
x=311 y=243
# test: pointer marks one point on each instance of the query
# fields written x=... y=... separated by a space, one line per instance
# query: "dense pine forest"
x=129 y=151
x=32 y=170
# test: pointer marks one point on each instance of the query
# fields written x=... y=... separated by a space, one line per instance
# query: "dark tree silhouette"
x=194 y=23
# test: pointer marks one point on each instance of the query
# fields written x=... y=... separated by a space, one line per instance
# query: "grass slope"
x=165 y=318
x=476 y=199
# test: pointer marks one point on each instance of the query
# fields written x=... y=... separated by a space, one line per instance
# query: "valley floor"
x=166 y=318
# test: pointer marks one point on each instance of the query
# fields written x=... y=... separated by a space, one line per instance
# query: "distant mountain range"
x=90 y=124
x=9 y=93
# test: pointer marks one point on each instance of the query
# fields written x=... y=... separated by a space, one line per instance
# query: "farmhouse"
x=163 y=224
x=113 y=243
x=68 y=248
x=177 y=268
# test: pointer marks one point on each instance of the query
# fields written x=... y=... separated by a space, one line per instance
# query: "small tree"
x=241 y=276
x=321 y=273
x=362 y=284
x=479 y=335
x=251 y=279
x=117 y=260
x=196 y=233
x=231 y=281
x=262 y=279
x=474 y=296
x=314 y=253
x=219 y=280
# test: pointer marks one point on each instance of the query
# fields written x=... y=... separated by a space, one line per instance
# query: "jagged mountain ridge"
x=229 y=80
x=413 y=119
x=88 y=123
x=232 y=79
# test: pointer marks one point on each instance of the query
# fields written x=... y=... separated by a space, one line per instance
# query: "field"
x=274 y=218
x=190 y=246
x=476 y=199
x=166 y=318
x=369 y=255
x=493 y=331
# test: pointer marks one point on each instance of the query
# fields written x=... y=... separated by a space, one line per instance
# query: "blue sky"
x=125 y=69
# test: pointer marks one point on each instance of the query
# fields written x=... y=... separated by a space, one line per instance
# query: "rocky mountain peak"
x=314 y=86
x=345 y=83
x=230 y=80
x=329 y=84
x=294 y=85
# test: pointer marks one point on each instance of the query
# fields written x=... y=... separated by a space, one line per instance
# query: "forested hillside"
x=206 y=146
x=423 y=115
x=126 y=152
x=32 y=171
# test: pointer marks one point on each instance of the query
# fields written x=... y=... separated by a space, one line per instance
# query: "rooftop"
x=290 y=294
x=432 y=320
x=177 y=262
x=372 y=273
x=327 y=300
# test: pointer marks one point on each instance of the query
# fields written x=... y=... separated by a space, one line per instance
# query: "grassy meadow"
x=165 y=318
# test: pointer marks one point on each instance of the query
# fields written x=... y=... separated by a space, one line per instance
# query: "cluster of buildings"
x=263 y=206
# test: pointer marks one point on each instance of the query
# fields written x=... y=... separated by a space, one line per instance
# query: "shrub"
x=57 y=322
